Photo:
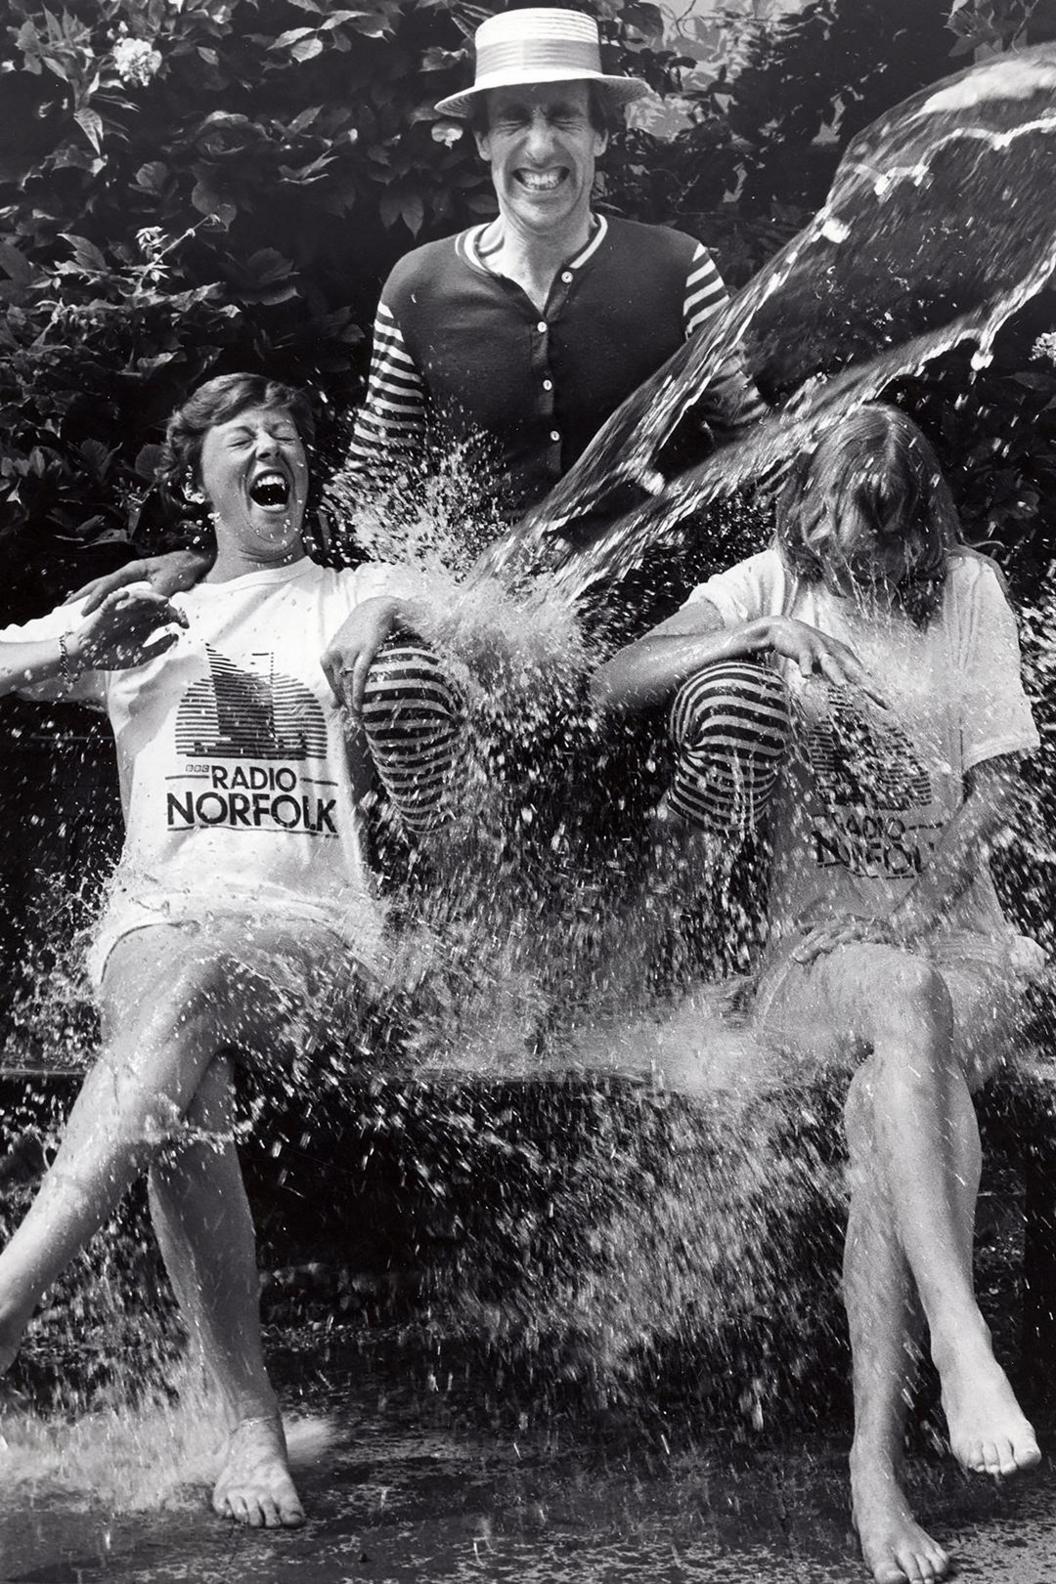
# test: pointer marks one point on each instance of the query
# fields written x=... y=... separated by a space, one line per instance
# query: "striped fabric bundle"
x=730 y=725
x=414 y=719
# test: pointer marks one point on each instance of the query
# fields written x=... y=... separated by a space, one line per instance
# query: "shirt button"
x=555 y=435
x=566 y=276
x=541 y=327
x=548 y=384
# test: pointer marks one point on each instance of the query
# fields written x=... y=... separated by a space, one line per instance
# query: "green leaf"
x=148 y=460
x=389 y=207
x=207 y=203
x=152 y=176
x=91 y=124
x=305 y=119
x=284 y=40
x=19 y=268
x=372 y=25
x=412 y=212
x=86 y=254
x=307 y=49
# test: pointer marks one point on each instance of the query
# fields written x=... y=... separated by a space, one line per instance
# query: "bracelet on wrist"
x=66 y=670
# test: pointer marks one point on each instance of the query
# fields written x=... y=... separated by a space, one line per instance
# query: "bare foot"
x=989 y=1433
x=894 y=1546
x=254 y=1487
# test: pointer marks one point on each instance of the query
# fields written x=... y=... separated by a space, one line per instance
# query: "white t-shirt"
x=237 y=789
x=869 y=791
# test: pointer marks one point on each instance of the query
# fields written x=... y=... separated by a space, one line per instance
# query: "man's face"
x=541 y=146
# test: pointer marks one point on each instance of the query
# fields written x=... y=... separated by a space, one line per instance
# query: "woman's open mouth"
x=270 y=489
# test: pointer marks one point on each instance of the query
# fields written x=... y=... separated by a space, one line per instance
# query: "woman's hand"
x=356 y=645
x=816 y=653
x=126 y=630
x=166 y=575
x=828 y=937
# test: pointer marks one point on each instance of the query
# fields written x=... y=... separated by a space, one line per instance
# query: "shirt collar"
x=469 y=248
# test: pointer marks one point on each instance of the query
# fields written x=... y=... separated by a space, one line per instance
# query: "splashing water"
x=555 y=931
x=938 y=229
x=135 y=1456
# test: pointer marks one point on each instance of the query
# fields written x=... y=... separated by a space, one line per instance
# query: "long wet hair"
x=877 y=460
x=215 y=402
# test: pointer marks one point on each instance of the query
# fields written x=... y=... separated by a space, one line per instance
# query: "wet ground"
x=412 y=1477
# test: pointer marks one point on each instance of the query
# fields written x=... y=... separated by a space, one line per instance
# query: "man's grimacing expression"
x=542 y=147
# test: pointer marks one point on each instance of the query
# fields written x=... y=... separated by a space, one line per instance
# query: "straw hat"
x=539 y=46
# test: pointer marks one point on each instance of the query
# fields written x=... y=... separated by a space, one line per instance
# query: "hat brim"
x=619 y=91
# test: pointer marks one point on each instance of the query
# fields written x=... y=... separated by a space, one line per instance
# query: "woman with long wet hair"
x=242 y=897
x=887 y=653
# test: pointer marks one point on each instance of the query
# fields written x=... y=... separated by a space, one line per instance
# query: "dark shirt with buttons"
x=462 y=354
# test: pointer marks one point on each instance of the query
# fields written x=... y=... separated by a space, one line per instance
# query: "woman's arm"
x=125 y=631
x=169 y=574
x=358 y=641
x=649 y=671
x=962 y=849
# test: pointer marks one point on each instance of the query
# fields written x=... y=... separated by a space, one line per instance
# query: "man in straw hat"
x=531 y=329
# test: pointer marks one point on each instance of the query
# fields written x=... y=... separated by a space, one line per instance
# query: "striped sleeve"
x=733 y=400
x=390 y=426
x=706 y=295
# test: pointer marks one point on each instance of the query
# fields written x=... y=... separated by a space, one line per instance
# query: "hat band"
x=524 y=57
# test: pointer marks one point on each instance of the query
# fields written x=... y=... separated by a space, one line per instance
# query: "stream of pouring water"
x=938 y=228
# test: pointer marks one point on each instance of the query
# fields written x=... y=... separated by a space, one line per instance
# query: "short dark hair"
x=876 y=459
x=217 y=401
x=605 y=117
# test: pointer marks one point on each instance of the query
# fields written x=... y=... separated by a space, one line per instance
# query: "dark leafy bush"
x=194 y=187
x=188 y=188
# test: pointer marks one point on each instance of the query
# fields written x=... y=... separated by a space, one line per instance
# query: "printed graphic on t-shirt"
x=876 y=799
x=250 y=738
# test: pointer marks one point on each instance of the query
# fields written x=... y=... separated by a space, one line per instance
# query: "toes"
x=889 y=1572
x=912 y=1568
x=270 y=1516
x=246 y=1512
x=979 y=1457
x=254 y=1510
x=924 y=1566
x=291 y=1514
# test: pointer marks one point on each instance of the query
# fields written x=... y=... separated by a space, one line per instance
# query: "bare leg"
x=170 y=1002
x=927 y=1160
x=885 y=1327
x=131 y=1099
x=915 y=1171
x=205 y=1231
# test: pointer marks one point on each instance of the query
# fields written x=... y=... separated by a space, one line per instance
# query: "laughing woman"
x=241 y=892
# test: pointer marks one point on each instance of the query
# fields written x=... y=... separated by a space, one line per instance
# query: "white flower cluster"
x=1044 y=347
x=135 y=60
x=152 y=242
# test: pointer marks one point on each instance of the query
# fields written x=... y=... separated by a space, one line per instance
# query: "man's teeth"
x=270 y=489
x=541 y=181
